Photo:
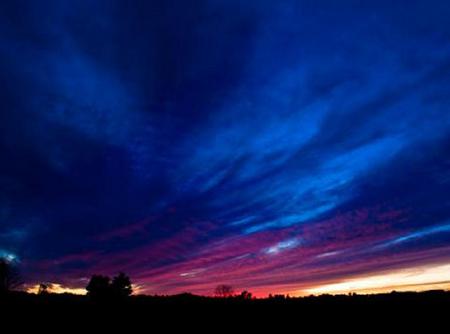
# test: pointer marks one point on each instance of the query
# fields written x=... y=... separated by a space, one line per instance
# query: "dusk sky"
x=277 y=146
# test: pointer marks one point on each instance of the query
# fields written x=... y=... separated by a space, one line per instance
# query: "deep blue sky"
x=272 y=145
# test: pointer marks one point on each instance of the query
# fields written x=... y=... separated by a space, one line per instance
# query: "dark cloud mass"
x=275 y=146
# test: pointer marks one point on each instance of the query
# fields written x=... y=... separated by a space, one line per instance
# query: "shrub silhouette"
x=9 y=277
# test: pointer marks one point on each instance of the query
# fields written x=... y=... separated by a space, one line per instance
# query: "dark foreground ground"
x=428 y=312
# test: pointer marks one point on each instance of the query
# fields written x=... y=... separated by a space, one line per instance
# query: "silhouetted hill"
x=191 y=311
x=425 y=312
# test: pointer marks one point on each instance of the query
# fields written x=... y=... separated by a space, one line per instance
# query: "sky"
x=277 y=146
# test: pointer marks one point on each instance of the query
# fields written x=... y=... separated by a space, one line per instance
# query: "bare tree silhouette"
x=9 y=277
x=224 y=290
x=43 y=289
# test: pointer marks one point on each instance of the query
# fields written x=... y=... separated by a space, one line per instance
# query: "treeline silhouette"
x=111 y=299
x=102 y=287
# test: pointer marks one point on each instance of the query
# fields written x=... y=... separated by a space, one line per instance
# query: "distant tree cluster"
x=278 y=297
x=102 y=287
x=226 y=291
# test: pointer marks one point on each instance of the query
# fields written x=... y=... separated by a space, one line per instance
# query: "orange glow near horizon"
x=422 y=278
x=57 y=288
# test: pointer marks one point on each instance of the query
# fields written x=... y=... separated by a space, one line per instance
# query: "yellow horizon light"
x=57 y=288
x=421 y=278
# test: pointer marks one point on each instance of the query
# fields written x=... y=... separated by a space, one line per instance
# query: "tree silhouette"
x=99 y=287
x=121 y=286
x=246 y=295
x=224 y=290
x=43 y=289
x=9 y=277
